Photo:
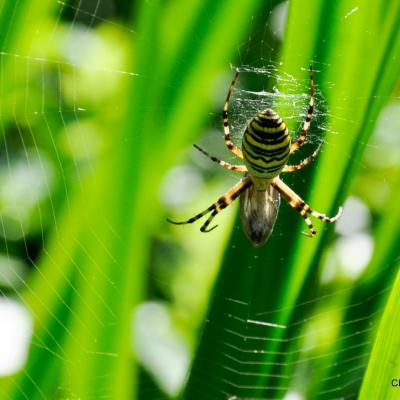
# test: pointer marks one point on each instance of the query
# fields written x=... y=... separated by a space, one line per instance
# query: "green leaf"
x=383 y=366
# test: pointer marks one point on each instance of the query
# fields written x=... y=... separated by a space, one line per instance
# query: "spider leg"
x=303 y=208
x=223 y=202
x=307 y=123
x=304 y=163
x=237 y=168
x=228 y=140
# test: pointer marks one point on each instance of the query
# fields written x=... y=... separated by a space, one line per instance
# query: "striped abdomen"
x=266 y=145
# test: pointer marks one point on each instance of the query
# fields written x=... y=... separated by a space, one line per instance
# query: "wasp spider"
x=266 y=147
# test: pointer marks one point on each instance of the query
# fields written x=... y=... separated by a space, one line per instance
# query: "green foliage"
x=384 y=362
x=91 y=272
x=140 y=101
x=264 y=284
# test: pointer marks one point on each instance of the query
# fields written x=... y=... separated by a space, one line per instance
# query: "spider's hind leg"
x=303 y=208
x=223 y=202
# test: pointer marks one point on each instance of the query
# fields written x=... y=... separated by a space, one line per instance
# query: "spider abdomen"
x=266 y=145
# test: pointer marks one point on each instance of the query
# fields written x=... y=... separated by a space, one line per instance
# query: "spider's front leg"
x=303 y=208
x=228 y=140
x=307 y=123
x=304 y=163
x=223 y=202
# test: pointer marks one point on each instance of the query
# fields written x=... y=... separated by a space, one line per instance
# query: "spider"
x=266 y=147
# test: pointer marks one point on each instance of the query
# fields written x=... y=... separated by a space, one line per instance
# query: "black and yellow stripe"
x=219 y=205
x=266 y=145
x=301 y=206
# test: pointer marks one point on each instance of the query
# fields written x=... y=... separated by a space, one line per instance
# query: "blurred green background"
x=101 y=298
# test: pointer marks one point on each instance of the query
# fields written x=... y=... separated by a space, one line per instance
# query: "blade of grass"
x=92 y=274
x=370 y=292
x=19 y=23
x=366 y=300
x=383 y=367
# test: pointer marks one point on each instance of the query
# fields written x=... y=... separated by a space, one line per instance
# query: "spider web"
x=53 y=142
x=56 y=118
